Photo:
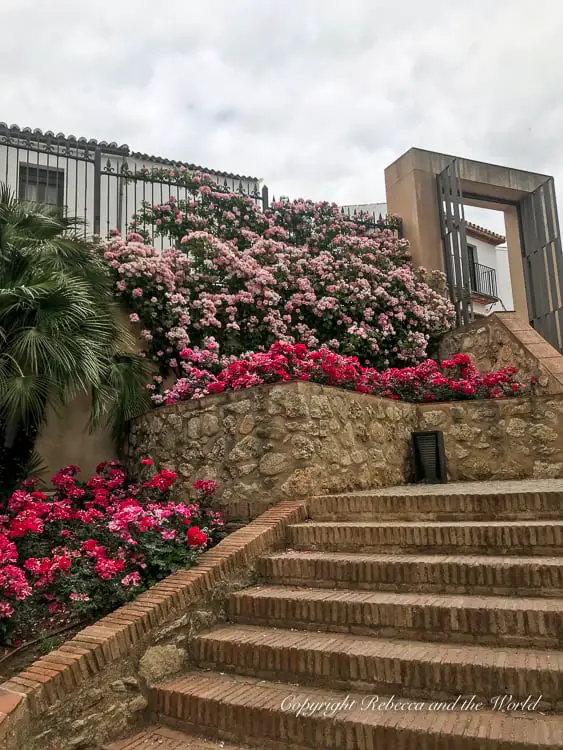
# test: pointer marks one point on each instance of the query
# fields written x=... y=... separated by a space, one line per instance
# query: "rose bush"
x=454 y=379
x=299 y=272
x=89 y=546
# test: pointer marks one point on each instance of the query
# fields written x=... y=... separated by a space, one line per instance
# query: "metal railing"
x=101 y=184
x=483 y=280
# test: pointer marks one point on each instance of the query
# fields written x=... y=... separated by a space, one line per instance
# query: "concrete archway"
x=426 y=189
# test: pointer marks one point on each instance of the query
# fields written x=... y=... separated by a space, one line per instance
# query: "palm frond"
x=60 y=330
x=36 y=465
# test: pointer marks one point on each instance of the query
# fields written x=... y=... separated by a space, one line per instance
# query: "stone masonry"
x=301 y=439
x=504 y=339
x=274 y=442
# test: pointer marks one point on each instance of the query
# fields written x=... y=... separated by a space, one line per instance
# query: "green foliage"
x=49 y=643
x=59 y=332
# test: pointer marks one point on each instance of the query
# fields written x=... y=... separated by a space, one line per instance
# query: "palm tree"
x=59 y=332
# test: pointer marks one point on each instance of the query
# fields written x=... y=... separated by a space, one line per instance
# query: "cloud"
x=316 y=98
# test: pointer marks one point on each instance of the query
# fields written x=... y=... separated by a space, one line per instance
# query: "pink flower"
x=55 y=607
x=131 y=579
x=134 y=318
x=6 y=610
x=107 y=569
x=79 y=597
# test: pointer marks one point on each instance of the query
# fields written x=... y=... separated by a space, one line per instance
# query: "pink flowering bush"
x=299 y=272
x=90 y=546
x=454 y=379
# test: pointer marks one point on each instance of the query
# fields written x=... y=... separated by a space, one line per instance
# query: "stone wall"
x=300 y=439
x=278 y=441
x=502 y=439
x=504 y=339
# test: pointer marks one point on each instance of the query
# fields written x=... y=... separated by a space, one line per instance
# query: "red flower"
x=146 y=461
x=163 y=480
x=196 y=537
x=215 y=387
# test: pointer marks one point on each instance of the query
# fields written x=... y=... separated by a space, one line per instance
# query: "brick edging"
x=62 y=671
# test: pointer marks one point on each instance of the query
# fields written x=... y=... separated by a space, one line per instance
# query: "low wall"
x=504 y=339
x=65 y=438
x=278 y=441
x=301 y=439
x=95 y=686
x=512 y=438
x=496 y=341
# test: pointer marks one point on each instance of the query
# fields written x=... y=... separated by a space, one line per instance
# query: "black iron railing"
x=102 y=184
x=483 y=280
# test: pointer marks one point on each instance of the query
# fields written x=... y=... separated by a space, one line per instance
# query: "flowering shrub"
x=92 y=545
x=297 y=272
x=453 y=379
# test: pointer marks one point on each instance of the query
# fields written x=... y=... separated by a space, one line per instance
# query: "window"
x=42 y=184
x=472 y=258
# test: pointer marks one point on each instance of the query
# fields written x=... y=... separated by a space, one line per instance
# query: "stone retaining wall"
x=278 y=441
x=301 y=439
x=499 y=439
x=504 y=339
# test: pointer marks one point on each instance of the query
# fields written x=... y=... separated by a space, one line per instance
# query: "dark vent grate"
x=429 y=457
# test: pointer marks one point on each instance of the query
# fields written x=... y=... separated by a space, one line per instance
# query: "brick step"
x=473 y=537
x=448 y=507
x=164 y=738
x=363 y=663
x=447 y=574
x=266 y=714
x=535 y=623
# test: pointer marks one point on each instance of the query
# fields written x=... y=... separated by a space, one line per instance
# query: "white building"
x=488 y=262
x=488 y=270
x=101 y=183
x=373 y=209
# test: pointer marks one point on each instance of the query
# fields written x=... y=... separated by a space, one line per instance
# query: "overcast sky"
x=315 y=97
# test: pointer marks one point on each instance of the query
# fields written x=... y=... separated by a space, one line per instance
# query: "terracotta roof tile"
x=36 y=135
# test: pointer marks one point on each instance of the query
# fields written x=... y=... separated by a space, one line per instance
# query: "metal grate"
x=454 y=241
x=429 y=457
x=542 y=261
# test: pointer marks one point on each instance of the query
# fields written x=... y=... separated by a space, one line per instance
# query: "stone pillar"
x=411 y=191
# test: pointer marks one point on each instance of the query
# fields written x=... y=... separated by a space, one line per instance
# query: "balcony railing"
x=483 y=280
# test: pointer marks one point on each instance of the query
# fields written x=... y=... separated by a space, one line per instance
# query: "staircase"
x=385 y=604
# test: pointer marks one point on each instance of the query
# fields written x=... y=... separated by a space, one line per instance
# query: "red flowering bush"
x=451 y=380
x=89 y=546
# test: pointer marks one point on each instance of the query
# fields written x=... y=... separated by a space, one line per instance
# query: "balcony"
x=483 y=281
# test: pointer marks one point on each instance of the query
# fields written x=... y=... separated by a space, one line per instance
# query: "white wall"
x=78 y=176
x=119 y=199
x=495 y=257
x=368 y=208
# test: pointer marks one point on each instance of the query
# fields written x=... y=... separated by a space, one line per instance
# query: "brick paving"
x=260 y=711
x=455 y=574
x=416 y=595
x=496 y=487
x=426 y=670
x=164 y=738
